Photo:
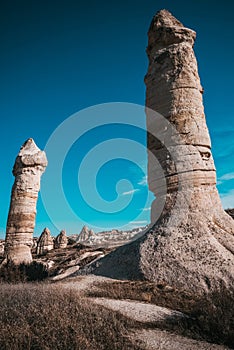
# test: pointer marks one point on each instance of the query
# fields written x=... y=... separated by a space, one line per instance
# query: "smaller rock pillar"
x=45 y=242
x=28 y=168
x=61 y=240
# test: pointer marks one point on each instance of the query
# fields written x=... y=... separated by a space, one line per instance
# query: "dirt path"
x=155 y=339
x=138 y=311
x=84 y=283
x=148 y=339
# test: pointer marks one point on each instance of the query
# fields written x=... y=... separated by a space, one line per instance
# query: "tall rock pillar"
x=174 y=91
x=28 y=168
x=190 y=245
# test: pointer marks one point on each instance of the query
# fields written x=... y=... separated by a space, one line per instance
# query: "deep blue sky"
x=58 y=57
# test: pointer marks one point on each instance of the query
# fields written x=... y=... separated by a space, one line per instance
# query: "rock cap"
x=29 y=156
x=166 y=30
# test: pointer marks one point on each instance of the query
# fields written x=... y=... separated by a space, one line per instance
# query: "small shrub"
x=13 y=273
x=34 y=271
x=214 y=315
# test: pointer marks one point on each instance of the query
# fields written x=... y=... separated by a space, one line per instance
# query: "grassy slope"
x=41 y=316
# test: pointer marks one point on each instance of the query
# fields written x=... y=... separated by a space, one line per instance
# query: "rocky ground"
x=162 y=327
x=66 y=262
x=80 y=253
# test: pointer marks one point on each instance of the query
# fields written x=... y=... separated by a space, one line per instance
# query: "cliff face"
x=28 y=168
x=191 y=243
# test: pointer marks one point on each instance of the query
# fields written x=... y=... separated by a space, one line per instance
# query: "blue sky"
x=59 y=57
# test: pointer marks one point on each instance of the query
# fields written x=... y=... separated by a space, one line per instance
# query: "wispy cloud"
x=224 y=144
x=143 y=181
x=140 y=222
x=227 y=199
x=225 y=177
x=146 y=209
x=228 y=176
x=130 y=192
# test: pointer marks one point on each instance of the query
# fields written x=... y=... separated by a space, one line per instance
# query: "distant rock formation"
x=61 y=240
x=29 y=166
x=191 y=245
x=85 y=234
x=113 y=238
x=91 y=233
x=45 y=242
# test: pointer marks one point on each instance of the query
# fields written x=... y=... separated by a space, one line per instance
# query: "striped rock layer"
x=190 y=245
x=45 y=242
x=28 y=168
x=61 y=240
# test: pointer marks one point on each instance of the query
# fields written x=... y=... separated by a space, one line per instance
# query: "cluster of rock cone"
x=46 y=242
x=85 y=234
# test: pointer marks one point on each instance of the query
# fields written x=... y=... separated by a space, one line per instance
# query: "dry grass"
x=12 y=273
x=40 y=316
x=211 y=315
x=144 y=291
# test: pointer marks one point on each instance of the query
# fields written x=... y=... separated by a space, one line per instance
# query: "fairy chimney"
x=45 y=242
x=61 y=240
x=28 y=168
x=190 y=246
x=85 y=234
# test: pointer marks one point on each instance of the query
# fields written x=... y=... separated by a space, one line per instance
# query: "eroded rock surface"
x=45 y=242
x=28 y=168
x=85 y=234
x=112 y=238
x=191 y=245
x=61 y=240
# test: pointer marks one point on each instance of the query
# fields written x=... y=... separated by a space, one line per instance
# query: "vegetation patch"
x=12 y=273
x=40 y=316
x=211 y=316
